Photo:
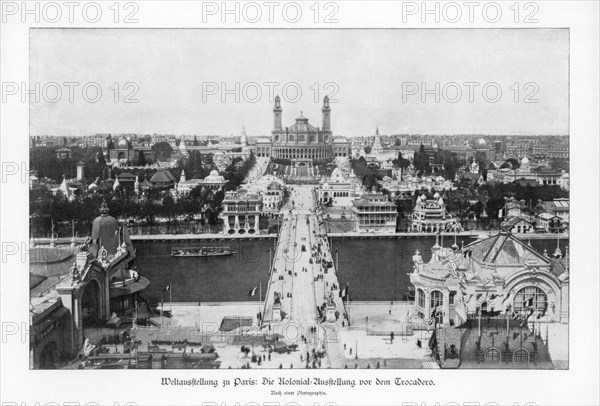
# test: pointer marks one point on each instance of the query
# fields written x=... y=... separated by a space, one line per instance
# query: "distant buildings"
x=63 y=153
x=212 y=182
x=273 y=198
x=162 y=180
x=374 y=213
x=338 y=189
x=241 y=212
x=520 y=225
x=551 y=223
x=408 y=183
x=524 y=171
x=430 y=216
x=302 y=140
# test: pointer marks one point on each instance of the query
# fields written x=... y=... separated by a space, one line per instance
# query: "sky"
x=179 y=80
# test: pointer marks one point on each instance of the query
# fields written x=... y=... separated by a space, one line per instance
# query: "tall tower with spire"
x=326 y=110
x=377 y=142
x=277 y=114
x=243 y=138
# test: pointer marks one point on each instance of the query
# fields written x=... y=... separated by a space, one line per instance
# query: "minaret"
x=136 y=185
x=326 y=114
x=243 y=140
x=277 y=114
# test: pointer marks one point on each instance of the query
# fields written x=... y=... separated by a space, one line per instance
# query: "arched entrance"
x=436 y=302
x=90 y=302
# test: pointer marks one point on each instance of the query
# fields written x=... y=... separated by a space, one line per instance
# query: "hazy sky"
x=175 y=69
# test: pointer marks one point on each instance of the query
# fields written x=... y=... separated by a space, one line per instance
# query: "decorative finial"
x=104 y=208
x=505 y=227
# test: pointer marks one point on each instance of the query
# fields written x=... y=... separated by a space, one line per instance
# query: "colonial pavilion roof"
x=443 y=266
x=504 y=249
x=485 y=263
x=373 y=200
x=515 y=220
x=214 y=177
x=162 y=176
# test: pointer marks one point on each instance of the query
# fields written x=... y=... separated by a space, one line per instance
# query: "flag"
x=432 y=318
x=496 y=302
x=460 y=307
x=167 y=288
x=253 y=291
x=344 y=292
x=500 y=213
x=527 y=317
x=528 y=303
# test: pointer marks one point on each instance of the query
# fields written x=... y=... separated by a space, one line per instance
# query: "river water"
x=375 y=269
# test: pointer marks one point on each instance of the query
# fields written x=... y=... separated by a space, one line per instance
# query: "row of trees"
x=45 y=162
x=47 y=208
x=473 y=199
x=123 y=203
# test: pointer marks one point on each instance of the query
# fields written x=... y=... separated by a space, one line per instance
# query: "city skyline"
x=173 y=104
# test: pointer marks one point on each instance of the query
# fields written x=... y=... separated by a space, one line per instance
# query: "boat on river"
x=201 y=251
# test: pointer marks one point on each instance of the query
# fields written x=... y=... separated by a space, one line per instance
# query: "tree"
x=195 y=143
x=421 y=161
x=163 y=150
x=94 y=163
x=559 y=164
x=141 y=159
x=401 y=162
x=44 y=161
x=368 y=149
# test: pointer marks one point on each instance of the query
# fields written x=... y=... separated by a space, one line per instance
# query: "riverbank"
x=158 y=237
x=353 y=234
x=470 y=234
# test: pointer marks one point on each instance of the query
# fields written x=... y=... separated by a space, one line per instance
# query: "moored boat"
x=201 y=251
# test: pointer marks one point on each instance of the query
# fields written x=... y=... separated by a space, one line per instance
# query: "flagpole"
x=547 y=328
x=170 y=299
x=346 y=297
x=507 y=322
x=479 y=318
x=162 y=307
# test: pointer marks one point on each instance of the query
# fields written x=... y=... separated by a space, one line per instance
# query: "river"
x=375 y=269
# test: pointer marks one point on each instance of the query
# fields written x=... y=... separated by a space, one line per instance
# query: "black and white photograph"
x=266 y=189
